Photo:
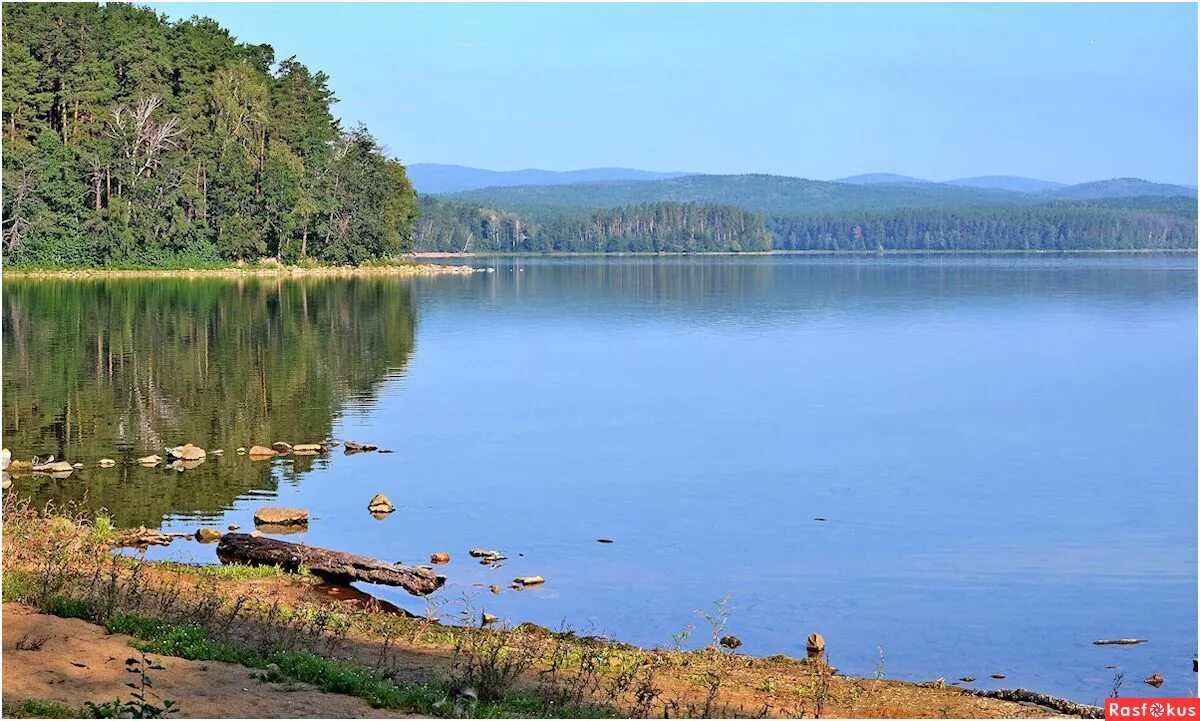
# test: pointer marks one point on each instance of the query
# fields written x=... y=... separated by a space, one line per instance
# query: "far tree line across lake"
x=135 y=141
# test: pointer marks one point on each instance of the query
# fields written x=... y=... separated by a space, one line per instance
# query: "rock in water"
x=967 y=679
x=55 y=467
x=731 y=642
x=5 y=459
x=270 y=516
x=529 y=580
x=208 y=535
x=261 y=452
x=998 y=675
x=488 y=619
x=107 y=463
x=19 y=467
x=307 y=447
x=282 y=447
x=815 y=646
x=150 y=460
x=440 y=558
x=1156 y=680
x=494 y=589
x=191 y=453
x=380 y=504
x=5 y=480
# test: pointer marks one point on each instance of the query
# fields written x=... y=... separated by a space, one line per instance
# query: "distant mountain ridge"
x=875 y=178
x=1008 y=182
x=439 y=178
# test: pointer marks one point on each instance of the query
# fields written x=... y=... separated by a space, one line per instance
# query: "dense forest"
x=1145 y=223
x=129 y=139
x=654 y=228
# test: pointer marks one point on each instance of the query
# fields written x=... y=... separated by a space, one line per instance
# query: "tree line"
x=1142 y=223
x=649 y=228
x=132 y=139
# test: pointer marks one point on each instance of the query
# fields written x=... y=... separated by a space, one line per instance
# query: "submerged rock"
x=150 y=460
x=107 y=463
x=481 y=553
x=208 y=535
x=187 y=452
x=380 y=504
x=269 y=515
x=529 y=580
x=261 y=452
x=54 y=467
x=439 y=558
x=967 y=679
x=998 y=675
x=1156 y=680
x=307 y=448
x=282 y=447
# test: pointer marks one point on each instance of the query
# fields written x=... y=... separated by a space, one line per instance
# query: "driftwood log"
x=1062 y=706
x=333 y=566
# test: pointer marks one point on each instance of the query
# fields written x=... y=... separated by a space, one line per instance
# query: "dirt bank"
x=72 y=662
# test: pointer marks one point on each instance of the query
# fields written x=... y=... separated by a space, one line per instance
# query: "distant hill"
x=766 y=193
x=873 y=178
x=436 y=178
x=1121 y=188
x=1007 y=182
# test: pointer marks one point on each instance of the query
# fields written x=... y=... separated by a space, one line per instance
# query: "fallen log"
x=333 y=566
x=1020 y=695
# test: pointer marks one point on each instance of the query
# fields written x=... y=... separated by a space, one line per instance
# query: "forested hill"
x=130 y=139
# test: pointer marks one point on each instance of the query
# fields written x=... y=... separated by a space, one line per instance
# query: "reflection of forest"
x=122 y=368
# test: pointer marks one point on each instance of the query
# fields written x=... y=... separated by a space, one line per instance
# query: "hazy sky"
x=1067 y=92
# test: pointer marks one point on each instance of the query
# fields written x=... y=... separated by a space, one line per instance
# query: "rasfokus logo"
x=1151 y=708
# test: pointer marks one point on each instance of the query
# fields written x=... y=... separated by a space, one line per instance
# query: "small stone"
x=386 y=450
x=77 y=466
x=494 y=589
x=815 y=645
x=380 y=504
x=107 y=463
x=282 y=447
x=208 y=535
x=603 y=540
x=5 y=480
x=731 y=642
x=481 y=553
x=1156 y=680
x=280 y=516
x=441 y=557
x=307 y=448
x=234 y=527
x=260 y=452
x=5 y=458
x=998 y=675
x=529 y=580
x=488 y=619
x=241 y=450
x=217 y=452
x=967 y=679
x=256 y=534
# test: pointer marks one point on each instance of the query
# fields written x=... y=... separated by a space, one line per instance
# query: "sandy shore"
x=251 y=271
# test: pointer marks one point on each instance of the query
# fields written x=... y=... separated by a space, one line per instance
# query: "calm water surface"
x=1003 y=448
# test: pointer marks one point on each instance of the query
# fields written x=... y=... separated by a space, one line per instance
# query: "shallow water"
x=1003 y=448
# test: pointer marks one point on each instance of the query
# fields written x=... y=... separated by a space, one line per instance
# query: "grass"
x=234 y=570
x=330 y=675
x=34 y=708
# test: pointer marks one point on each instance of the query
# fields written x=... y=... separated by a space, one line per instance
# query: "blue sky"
x=1067 y=92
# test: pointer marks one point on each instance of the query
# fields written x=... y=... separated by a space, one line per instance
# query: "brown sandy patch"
x=79 y=662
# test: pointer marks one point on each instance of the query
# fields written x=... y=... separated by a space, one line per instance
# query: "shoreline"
x=64 y=567
x=410 y=270
x=767 y=253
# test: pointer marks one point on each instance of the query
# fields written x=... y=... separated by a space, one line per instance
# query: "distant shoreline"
x=526 y=254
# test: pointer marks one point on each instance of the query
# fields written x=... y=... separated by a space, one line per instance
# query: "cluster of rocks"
x=278 y=448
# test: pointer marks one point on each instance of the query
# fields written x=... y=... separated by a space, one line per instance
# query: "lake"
x=966 y=464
